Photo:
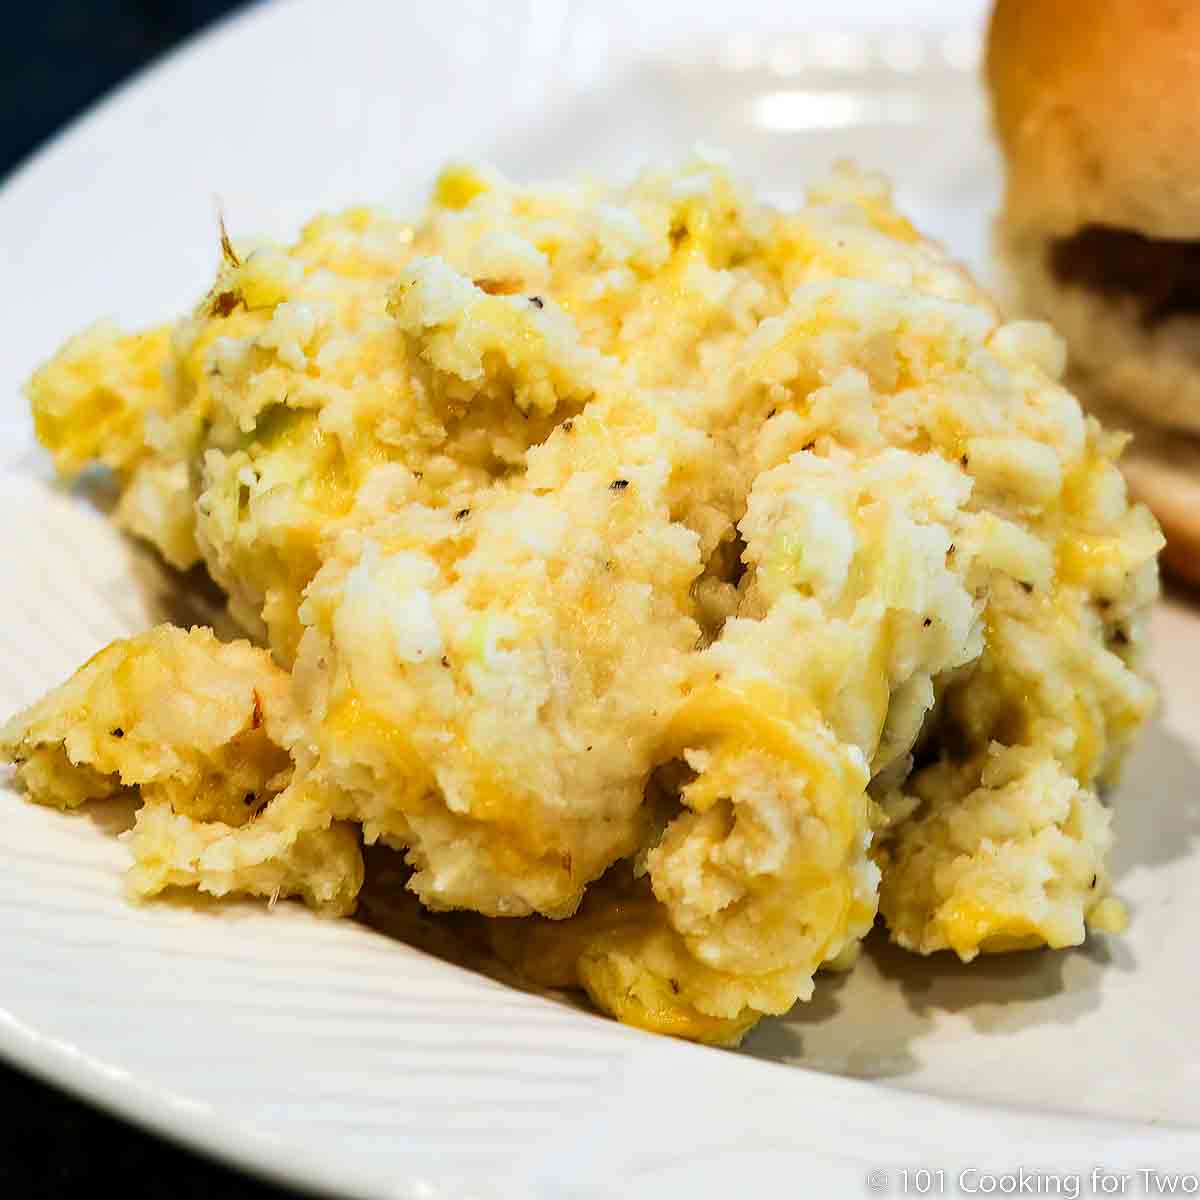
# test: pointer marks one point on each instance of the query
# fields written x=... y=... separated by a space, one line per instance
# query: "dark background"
x=58 y=56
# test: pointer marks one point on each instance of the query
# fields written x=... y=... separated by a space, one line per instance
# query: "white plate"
x=329 y=1055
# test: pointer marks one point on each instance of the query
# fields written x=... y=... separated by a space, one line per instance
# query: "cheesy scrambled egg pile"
x=676 y=580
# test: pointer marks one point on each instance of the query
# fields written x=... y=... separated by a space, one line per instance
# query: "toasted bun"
x=1096 y=109
x=1130 y=375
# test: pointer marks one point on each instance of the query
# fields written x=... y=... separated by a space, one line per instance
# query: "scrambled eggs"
x=676 y=580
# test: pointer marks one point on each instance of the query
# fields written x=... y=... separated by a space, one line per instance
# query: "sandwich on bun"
x=1097 y=112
